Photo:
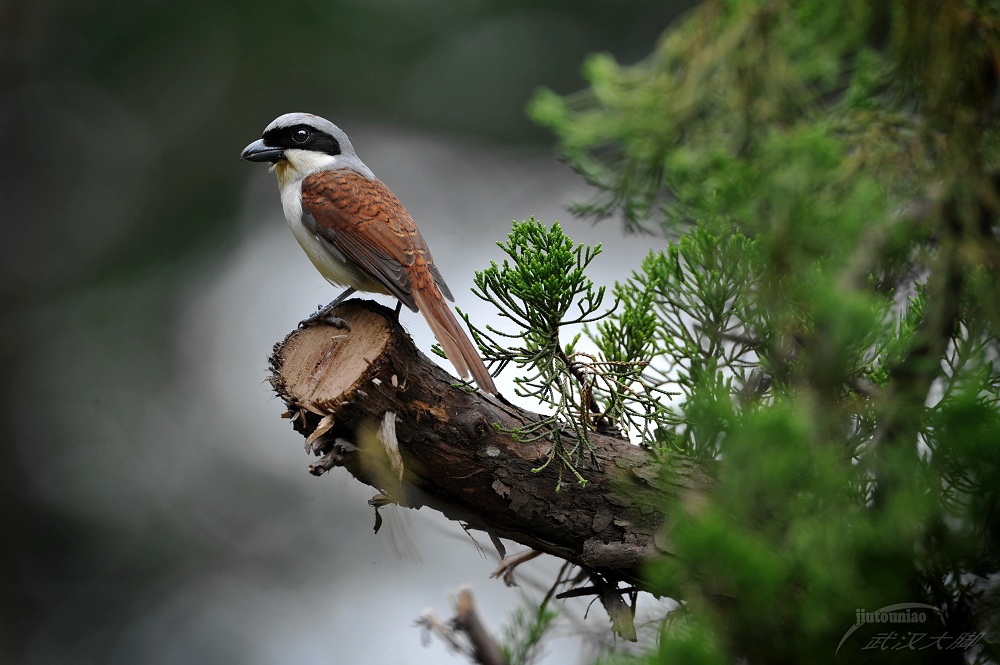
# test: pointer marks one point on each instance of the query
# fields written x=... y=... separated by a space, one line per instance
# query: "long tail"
x=456 y=344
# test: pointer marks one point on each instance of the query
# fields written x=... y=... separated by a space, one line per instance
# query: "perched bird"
x=356 y=232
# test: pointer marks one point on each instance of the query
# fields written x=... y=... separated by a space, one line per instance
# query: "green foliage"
x=667 y=132
x=542 y=289
x=706 y=332
x=627 y=340
x=535 y=290
x=522 y=637
x=680 y=338
x=824 y=322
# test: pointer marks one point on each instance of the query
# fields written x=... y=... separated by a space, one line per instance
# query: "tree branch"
x=481 y=648
x=370 y=402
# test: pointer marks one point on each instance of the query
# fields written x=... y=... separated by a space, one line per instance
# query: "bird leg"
x=399 y=306
x=322 y=315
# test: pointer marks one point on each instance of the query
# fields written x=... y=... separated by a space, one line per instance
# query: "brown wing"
x=364 y=221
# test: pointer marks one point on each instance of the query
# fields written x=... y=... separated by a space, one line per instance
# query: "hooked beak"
x=258 y=151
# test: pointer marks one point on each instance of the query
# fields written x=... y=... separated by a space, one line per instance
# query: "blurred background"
x=156 y=508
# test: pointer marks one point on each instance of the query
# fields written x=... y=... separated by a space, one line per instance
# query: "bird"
x=356 y=232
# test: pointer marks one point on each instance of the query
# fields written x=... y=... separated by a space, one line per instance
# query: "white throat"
x=300 y=163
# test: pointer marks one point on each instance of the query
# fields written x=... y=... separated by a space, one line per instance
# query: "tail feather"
x=452 y=338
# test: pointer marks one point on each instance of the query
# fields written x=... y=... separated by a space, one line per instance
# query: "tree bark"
x=368 y=400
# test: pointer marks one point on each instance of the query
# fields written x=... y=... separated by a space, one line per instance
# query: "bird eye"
x=300 y=135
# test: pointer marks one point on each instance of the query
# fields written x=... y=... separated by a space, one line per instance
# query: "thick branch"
x=370 y=402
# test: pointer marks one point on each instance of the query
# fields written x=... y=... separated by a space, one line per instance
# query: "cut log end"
x=323 y=365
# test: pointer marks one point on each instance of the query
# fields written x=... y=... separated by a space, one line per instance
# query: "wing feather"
x=361 y=220
x=364 y=221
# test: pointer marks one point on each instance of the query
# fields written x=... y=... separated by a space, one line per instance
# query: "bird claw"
x=323 y=316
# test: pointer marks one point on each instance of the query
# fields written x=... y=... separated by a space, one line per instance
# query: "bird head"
x=297 y=144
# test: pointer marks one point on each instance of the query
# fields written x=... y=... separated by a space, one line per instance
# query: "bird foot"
x=323 y=316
